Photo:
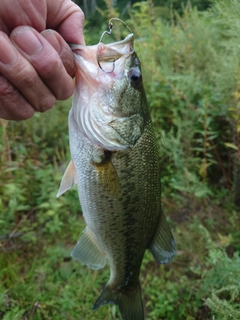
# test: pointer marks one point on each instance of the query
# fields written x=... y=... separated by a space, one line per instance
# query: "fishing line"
x=110 y=26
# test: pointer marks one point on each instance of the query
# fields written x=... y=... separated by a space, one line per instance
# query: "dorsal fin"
x=68 y=180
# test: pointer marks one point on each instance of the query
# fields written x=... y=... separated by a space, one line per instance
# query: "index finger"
x=67 y=18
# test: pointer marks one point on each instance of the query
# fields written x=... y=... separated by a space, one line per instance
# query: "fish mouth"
x=118 y=45
x=97 y=61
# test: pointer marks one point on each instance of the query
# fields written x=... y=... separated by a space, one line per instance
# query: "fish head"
x=109 y=103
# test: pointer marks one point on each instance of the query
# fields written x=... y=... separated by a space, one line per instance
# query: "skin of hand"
x=36 y=62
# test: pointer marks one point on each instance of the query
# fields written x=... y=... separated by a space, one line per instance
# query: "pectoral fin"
x=88 y=252
x=107 y=174
x=68 y=180
x=163 y=246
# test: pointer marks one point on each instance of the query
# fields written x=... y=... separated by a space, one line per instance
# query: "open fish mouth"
x=103 y=60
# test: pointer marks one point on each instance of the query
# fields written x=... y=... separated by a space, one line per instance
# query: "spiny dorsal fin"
x=163 y=246
x=68 y=180
x=88 y=252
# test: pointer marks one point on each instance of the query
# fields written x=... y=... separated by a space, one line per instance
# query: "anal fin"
x=163 y=245
x=88 y=252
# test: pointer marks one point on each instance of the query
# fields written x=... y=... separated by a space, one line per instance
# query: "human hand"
x=36 y=63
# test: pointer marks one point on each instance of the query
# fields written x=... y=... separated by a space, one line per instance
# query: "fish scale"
x=116 y=166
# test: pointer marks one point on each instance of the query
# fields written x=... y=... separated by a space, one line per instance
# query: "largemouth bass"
x=115 y=164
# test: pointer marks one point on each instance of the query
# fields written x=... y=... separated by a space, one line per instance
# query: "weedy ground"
x=192 y=83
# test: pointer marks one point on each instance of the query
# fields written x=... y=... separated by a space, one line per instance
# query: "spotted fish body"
x=115 y=164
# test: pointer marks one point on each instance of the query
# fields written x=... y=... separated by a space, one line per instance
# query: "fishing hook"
x=110 y=26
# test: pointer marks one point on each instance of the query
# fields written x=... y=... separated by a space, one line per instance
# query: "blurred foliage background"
x=190 y=54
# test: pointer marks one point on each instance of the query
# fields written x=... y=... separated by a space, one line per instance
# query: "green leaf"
x=231 y=145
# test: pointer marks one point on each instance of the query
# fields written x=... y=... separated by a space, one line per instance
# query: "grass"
x=48 y=285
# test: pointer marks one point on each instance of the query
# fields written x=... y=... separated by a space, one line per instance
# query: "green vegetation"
x=191 y=68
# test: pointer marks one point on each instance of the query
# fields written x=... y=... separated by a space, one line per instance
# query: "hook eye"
x=110 y=26
x=107 y=64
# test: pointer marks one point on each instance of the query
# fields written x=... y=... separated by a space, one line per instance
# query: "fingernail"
x=28 y=41
x=52 y=38
x=7 y=52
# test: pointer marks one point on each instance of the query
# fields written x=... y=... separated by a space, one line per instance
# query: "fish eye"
x=135 y=77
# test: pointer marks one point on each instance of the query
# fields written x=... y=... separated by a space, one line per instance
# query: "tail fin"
x=127 y=298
